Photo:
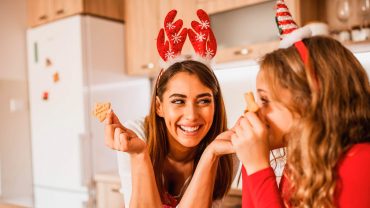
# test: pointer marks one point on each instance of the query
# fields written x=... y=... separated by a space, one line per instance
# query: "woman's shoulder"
x=360 y=151
x=356 y=160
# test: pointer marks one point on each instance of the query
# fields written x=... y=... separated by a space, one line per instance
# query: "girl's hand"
x=221 y=145
x=251 y=143
x=120 y=138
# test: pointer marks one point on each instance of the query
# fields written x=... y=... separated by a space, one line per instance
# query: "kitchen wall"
x=15 y=146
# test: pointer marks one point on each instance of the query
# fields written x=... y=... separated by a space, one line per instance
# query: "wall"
x=15 y=146
x=13 y=40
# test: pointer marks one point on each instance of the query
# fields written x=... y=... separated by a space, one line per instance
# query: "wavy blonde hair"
x=330 y=120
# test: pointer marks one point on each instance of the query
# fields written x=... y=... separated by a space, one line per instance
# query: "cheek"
x=170 y=114
x=208 y=114
x=280 y=125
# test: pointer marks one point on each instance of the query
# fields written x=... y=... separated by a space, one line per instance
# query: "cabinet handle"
x=43 y=17
x=148 y=66
x=60 y=11
x=116 y=190
x=243 y=51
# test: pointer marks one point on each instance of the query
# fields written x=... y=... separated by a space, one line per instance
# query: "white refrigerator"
x=73 y=63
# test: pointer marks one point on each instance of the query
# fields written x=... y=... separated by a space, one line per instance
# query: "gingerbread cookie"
x=251 y=103
x=100 y=110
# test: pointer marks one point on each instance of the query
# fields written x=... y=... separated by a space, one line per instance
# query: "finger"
x=255 y=122
x=109 y=136
x=226 y=135
x=236 y=123
x=226 y=147
x=125 y=141
x=234 y=139
x=109 y=117
x=238 y=130
x=246 y=127
x=117 y=132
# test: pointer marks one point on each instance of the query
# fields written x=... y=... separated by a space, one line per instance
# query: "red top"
x=353 y=188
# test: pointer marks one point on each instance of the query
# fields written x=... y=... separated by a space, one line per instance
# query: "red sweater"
x=353 y=188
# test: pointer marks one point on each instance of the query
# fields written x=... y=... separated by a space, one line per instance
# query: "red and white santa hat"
x=289 y=31
x=201 y=38
x=291 y=34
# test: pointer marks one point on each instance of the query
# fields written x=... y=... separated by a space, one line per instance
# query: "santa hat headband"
x=200 y=36
x=291 y=34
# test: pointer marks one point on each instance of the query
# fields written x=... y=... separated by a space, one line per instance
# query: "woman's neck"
x=181 y=155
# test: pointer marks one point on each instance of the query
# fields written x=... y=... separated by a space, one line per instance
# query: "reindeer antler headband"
x=291 y=34
x=201 y=38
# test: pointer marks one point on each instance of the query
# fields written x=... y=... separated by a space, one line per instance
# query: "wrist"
x=141 y=156
x=210 y=155
x=253 y=168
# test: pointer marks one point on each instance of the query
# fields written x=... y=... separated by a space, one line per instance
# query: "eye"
x=264 y=100
x=204 y=101
x=177 y=101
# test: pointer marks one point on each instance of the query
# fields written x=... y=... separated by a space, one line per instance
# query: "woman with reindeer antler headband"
x=315 y=98
x=178 y=155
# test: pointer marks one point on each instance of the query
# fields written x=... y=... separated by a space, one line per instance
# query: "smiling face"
x=187 y=106
x=277 y=117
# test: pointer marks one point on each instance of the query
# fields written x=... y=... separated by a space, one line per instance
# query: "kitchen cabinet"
x=43 y=11
x=215 y=6
x=107 y=191
x=143 y=22
x=247 y=39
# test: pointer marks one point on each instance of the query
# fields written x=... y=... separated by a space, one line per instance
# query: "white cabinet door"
x=58 y=122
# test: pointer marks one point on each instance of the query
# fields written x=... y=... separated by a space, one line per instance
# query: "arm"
x=251 y=144
x=200 y=190
x=353 y=185
x=144 y=188
x=260 y=189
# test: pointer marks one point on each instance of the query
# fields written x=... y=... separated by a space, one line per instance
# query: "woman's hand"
x=251 y=143
x=221 y=145
x=120 y=138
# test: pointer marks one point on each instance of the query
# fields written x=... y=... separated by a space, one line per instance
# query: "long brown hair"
x=331 y=119
x=156 y=130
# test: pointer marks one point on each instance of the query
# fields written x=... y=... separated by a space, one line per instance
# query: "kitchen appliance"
x=73 y=63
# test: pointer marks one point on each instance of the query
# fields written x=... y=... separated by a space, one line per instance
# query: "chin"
x=189 y=142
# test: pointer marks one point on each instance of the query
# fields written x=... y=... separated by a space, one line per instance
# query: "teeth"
x=189 y=129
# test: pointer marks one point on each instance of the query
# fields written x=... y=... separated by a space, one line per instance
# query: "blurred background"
x=59 y=57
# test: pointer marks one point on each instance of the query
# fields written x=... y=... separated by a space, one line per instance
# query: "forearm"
x=200 y=190
x=144 y=188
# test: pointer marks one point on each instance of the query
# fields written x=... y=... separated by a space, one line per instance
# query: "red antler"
x=203 y=39
x=168 y=49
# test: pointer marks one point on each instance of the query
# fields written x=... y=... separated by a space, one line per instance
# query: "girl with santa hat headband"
x=314 y=100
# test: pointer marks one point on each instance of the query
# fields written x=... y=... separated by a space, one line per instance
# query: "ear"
x=159 y=107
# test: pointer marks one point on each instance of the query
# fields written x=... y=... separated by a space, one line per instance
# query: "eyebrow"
x=198 y=96
x=261 y=90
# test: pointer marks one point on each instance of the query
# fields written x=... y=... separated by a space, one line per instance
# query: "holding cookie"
x=251 y=103
x=100 y=110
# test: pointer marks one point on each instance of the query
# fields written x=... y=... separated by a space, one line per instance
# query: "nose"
x=191 y=112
